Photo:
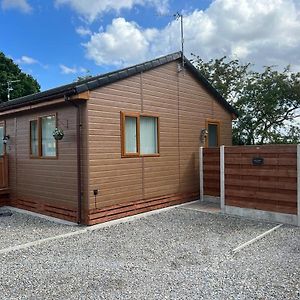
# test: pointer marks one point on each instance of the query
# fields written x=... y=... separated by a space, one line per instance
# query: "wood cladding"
x=4 y=197
x=211 y=171
x=182 y=104
x=57 y=210
x=271 y=186
x=131 y=208
x=49 y=183
x=3 y=171
x=126 y=185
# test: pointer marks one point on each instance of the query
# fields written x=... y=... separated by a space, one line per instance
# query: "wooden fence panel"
x=271 y=186
x=211 y=171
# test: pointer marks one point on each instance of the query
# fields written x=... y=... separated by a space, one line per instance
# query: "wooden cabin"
x=130 y=142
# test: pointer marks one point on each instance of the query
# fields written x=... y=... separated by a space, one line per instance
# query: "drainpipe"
x=79 y=175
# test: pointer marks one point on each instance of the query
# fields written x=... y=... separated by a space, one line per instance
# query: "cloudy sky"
x=58 y=40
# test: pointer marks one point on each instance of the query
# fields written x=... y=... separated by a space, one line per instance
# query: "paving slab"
x=205 y=206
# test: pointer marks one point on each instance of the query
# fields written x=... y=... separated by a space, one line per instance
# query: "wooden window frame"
x=123 y=135
x=3 y=124
x=213 y=122
x=39 y=128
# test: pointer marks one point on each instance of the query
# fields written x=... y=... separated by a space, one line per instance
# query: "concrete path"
x=204 y=206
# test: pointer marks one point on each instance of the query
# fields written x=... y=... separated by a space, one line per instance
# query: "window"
x=139 y=135
x=131 y=134
x=148 y=135
x=34 y=148
x=213 y=136
x=48 y=141
x=42 y=142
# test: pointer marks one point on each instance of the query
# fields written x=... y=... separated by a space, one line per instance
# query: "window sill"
x=139 y=155
x=150 y=155
x=44 y=157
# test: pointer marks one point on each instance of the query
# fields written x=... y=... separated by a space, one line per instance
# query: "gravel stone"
x=22 y=228
x=176 y=254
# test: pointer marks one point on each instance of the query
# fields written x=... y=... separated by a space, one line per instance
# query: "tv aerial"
x=10 y=88
x=178 y=16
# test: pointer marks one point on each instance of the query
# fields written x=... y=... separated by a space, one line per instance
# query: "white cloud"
x=83 y=31
x=95 y=8
x=263 y=32
x=26 y=60
x=72 y=70
x=21 y=5
x=122 y=43
x=67 y=70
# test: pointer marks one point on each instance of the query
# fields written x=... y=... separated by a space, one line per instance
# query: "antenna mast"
x=10 y=88
x=180 y=16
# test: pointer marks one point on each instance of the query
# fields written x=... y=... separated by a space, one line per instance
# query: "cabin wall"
x=130 y=185
x=44 y=185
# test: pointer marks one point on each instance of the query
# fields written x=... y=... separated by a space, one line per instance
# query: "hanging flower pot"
x=58 y=134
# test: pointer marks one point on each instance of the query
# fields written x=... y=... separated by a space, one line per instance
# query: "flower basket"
x=58 y=134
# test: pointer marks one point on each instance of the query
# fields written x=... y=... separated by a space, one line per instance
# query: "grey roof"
x=104 y=79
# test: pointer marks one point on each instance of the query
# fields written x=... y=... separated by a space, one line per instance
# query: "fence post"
x=201 y=173
x=222 y=178
x=298 y=183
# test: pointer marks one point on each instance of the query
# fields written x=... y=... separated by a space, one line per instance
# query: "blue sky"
x=57 y=40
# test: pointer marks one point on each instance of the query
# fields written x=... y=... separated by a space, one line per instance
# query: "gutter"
x=79 y=172
x=34 y=99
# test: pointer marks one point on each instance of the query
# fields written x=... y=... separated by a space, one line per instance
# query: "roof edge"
x=88 y=84
x=111 y=77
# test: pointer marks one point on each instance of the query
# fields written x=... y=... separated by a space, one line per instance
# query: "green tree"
x=268 y=102
x=269 y=106
x=228 y=77
x=9 y=71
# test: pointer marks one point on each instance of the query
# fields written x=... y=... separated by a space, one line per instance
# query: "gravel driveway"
x=176 y=254
x=23 y=228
